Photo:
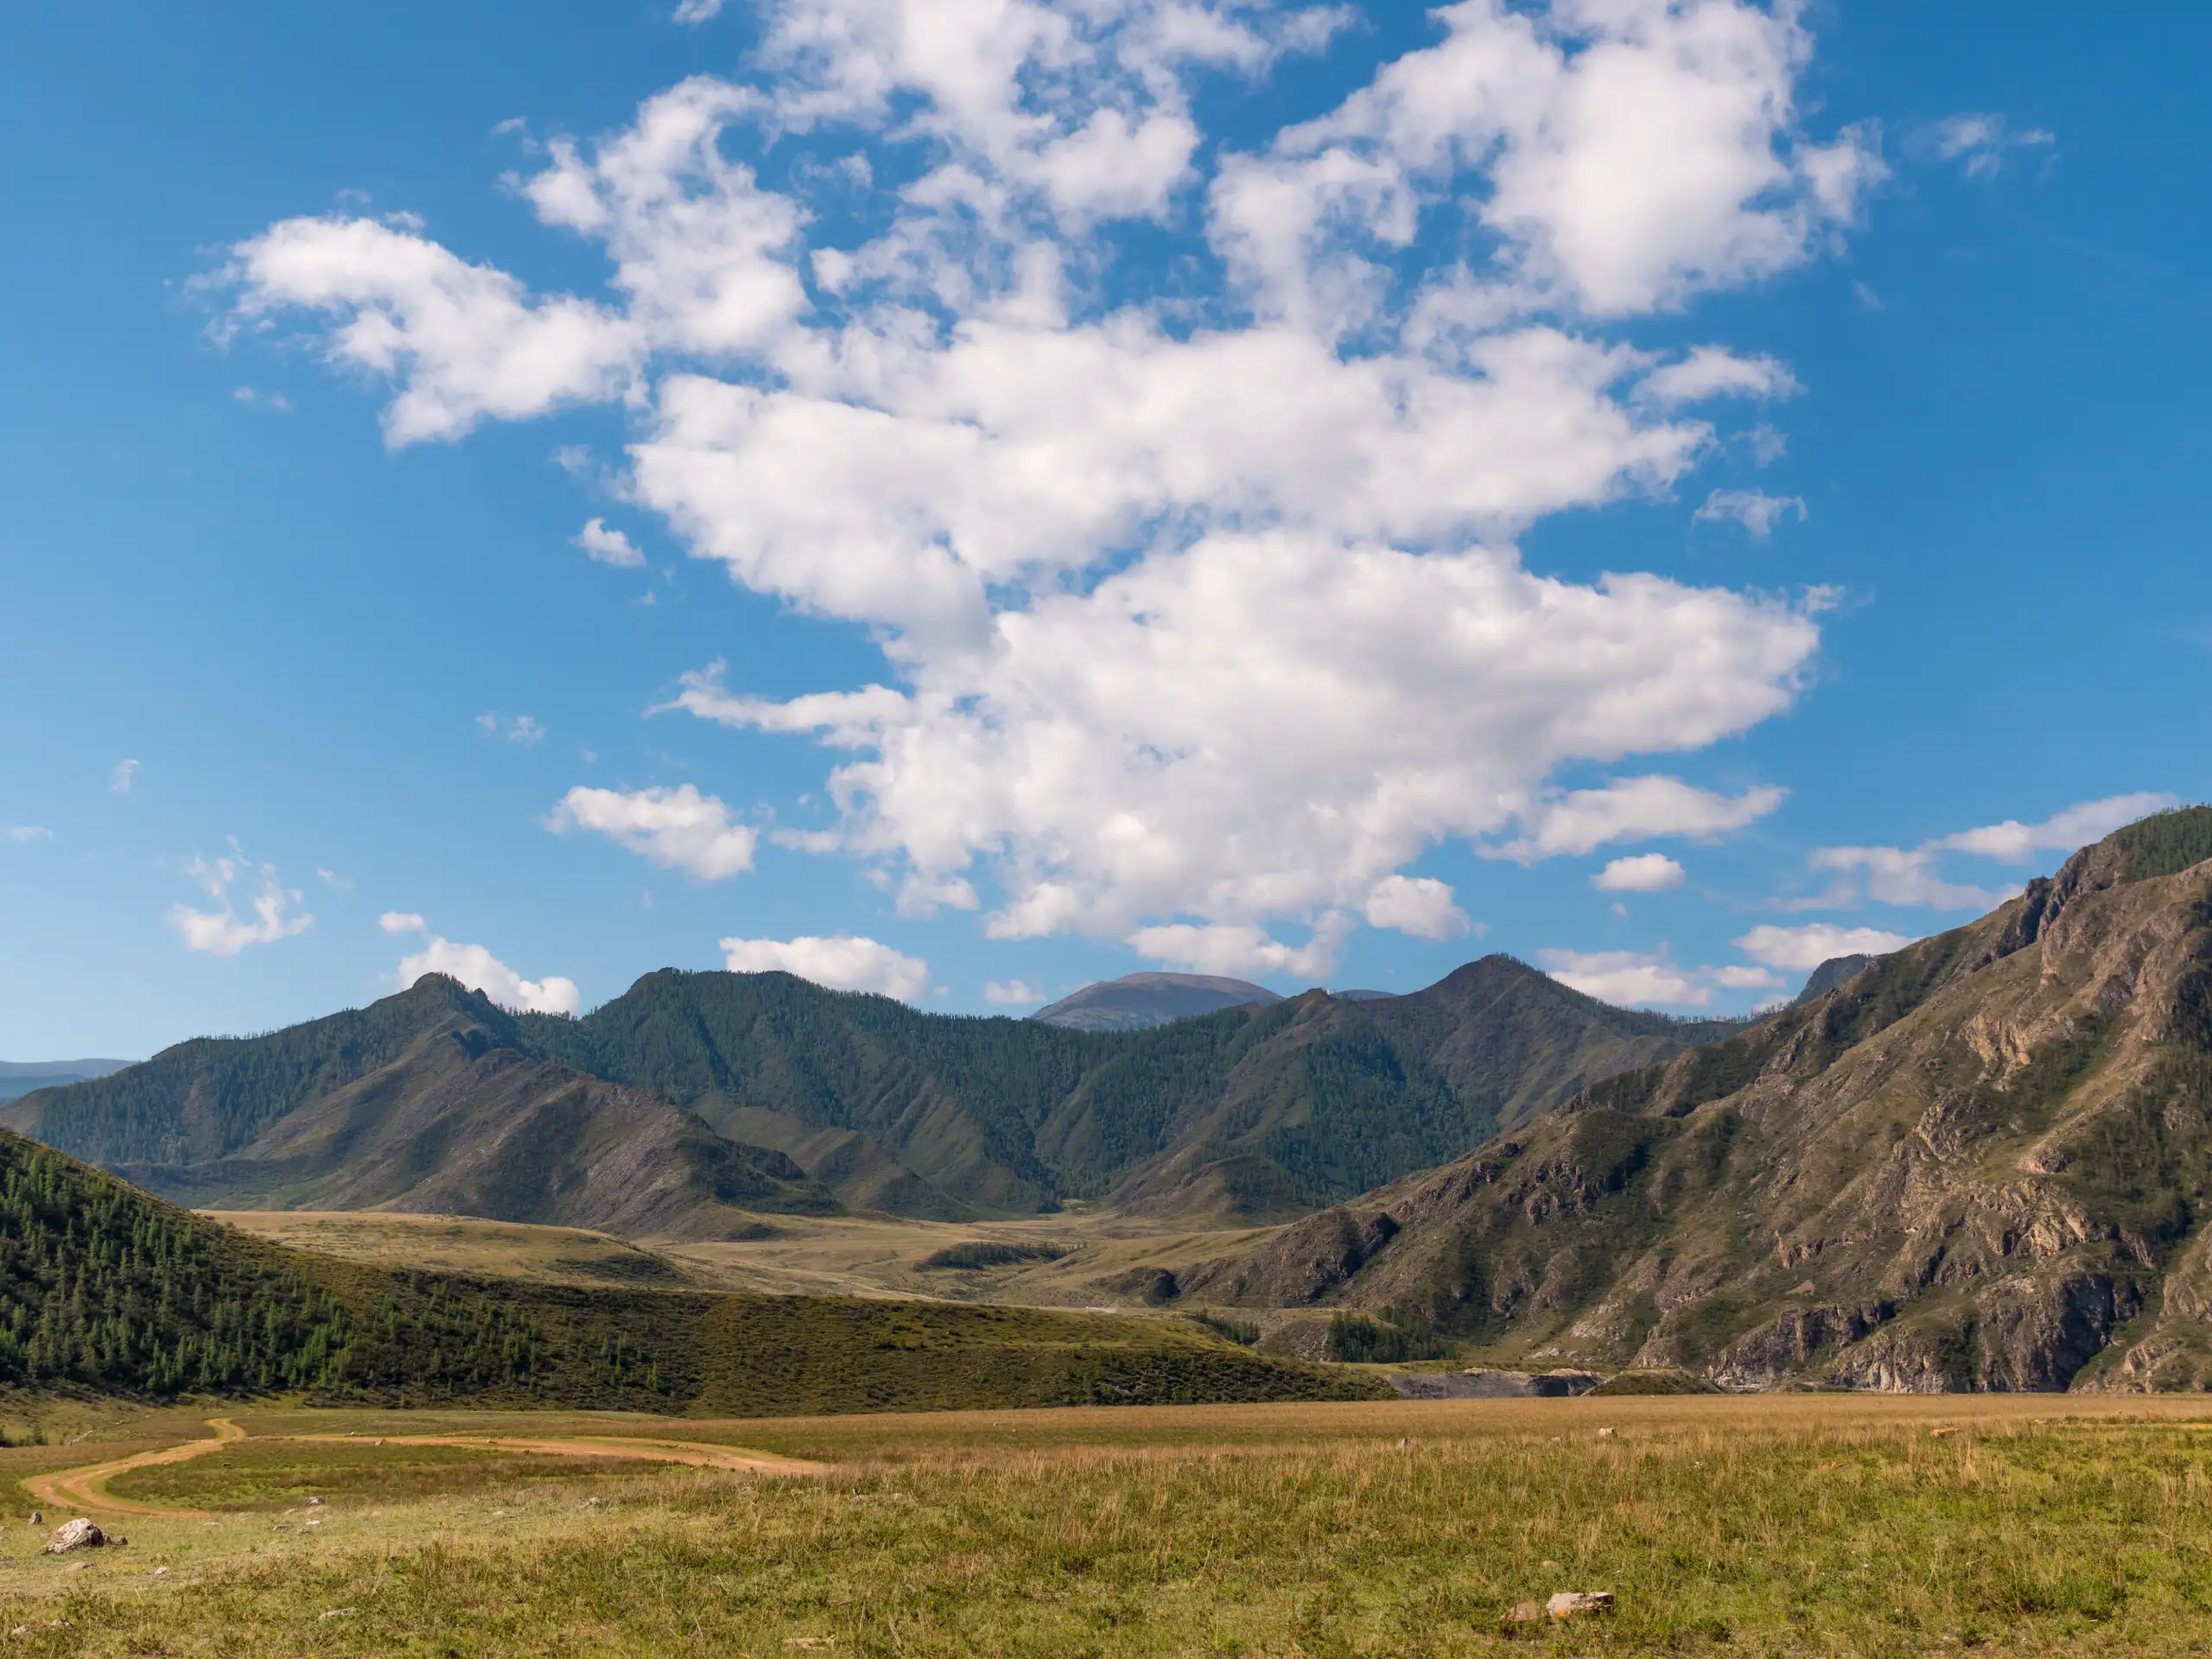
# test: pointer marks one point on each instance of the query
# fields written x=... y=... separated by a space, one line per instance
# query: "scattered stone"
x=340 y=1612
x=315 y=1503
x=37 y=1520
x=75 y=1534
x=78 y=1566
x=159 y=1572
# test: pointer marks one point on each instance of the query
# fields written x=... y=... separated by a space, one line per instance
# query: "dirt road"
x=85 y=1489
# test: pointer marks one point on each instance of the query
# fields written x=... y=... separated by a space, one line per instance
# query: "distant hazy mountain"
x=692 y=1093
x=1138 y=1002
x=19 y=1078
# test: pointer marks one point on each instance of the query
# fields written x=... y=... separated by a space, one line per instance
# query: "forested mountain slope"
x=435 y=1099
x=1301 y=1102
x=1981 y=1162
x=106 y=1289
x=422 y=1102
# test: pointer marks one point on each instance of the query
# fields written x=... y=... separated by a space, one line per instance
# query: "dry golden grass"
x=1777 y=1525
x=834 y=1256
x=466 y=1244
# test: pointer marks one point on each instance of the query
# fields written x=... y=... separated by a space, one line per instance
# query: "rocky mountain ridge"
x=1980 y=1163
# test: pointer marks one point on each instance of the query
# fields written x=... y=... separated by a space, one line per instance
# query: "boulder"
x=1571 y=1604
x=75 y=1534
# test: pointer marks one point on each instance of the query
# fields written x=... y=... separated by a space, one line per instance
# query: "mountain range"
x=1982 y=1162
x=696 y=1099
x=19 y=1078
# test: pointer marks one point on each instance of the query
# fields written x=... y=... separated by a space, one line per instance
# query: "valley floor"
x=1067 y=1260
x=1776 y=1524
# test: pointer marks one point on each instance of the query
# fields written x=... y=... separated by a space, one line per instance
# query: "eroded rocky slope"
x=1980 y=1163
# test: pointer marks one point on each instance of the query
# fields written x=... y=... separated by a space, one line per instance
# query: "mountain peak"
x=1138 y=1002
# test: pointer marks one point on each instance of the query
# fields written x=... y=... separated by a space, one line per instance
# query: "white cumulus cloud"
x=1645 y=873
x=402 y=921
x=1799 y=949
x=1635 y=808
x=477 y=969
x=844 y=963
x=1010 y=993
x=676 y=828
x=28 y=832
x=1419 y=906
x=1632 y=979
x=125 y=775
x=271 y=915
x=2014 y=842
x=608 y=546
x=1201 y=621
x=1912 y=875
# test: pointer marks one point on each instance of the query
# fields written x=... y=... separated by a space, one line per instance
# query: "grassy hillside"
x=106 y=1289
x=1983 y=1162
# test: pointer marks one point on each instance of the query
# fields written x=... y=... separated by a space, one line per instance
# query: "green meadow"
x=1777 y=1525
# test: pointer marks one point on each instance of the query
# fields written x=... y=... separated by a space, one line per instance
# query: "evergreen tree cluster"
x=106 y=1288
x=101 y=1287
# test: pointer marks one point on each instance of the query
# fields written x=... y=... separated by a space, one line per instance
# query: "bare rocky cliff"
x=1980 y=1163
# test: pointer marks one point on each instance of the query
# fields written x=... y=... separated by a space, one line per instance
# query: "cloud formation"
x=223 y=932
x=1202 y=618
x=1645 y=873
x=844 y=962
x=676 y=828
x=1911 y=875
x=1755 y=510
x=608 y=546
x=1643 y=979
x=477 y=969
x=1980 y=143
x=120 y=781
x=1800 y=949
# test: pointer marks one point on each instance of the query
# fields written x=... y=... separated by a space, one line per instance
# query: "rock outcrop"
x=1981 y=1162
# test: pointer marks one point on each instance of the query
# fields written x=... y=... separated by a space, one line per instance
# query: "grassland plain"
x=1780 y=1525
x=833 y=1256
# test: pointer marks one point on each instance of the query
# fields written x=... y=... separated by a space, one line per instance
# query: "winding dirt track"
x=85 y=1489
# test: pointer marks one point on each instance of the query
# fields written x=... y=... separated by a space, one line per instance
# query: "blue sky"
x=1319 y=496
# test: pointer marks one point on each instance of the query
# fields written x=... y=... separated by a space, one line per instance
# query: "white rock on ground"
x=75 y=1534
